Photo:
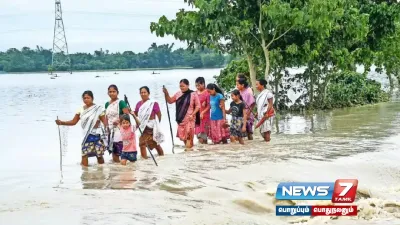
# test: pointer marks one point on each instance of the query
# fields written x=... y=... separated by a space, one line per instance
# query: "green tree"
x=330 y=39
x=214 y=25
x=247 y=26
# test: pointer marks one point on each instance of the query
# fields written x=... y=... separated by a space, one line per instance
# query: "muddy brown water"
x=216 y=184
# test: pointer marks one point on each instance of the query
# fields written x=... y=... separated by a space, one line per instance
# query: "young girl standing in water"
x=202 y=130
x=219 y=131
x=239 y=118
x=129 y=151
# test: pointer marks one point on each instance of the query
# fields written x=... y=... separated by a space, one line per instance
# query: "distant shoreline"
x=109 y=70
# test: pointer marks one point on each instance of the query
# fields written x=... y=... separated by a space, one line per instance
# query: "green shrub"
x=227 y=77
x=350 y=88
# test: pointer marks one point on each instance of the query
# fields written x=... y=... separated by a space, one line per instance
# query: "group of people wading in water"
x=200 y=113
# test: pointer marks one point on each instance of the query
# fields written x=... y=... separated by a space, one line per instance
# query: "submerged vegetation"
x=157 y=56
x=327 y=39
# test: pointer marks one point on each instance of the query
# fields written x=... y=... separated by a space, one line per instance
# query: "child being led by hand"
x=239 y=118
x=127 y=129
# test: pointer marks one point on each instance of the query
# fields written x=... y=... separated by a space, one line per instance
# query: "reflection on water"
x=94 y=178
x=218 y=184
x=109 y=177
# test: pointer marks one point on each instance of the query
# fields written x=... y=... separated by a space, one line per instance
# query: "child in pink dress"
x=202 y=130
x=129 y=151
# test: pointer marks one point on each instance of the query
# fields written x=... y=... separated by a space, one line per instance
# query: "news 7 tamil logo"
x=342 y=191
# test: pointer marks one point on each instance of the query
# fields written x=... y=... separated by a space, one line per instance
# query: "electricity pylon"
x=60 y=58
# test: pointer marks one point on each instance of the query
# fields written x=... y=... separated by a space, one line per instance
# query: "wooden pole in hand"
x=170 y=126
x=59 y=136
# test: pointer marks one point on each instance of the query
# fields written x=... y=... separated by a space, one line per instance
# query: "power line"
x=74 y=28
x=114 y=13
x=105 y=13
x=128 y=14
x=156 y=1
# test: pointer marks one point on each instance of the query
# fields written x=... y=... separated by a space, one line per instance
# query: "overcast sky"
x=116 y=25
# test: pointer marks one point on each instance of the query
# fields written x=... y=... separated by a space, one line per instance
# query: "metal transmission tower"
x=60 y=58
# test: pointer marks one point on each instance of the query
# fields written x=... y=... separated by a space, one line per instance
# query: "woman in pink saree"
x=187 y=112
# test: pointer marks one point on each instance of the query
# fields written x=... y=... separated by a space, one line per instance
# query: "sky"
x=114 y=25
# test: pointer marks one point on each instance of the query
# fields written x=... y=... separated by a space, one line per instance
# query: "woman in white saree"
x=90 y=116
x=265 y=110
x=114 y=109
x=147 y=110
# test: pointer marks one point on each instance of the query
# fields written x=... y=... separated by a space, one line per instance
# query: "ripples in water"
x=219 y=184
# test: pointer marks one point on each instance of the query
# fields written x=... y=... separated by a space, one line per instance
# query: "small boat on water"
x=53 y=77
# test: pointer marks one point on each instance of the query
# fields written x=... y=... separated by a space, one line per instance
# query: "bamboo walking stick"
x=170 y=126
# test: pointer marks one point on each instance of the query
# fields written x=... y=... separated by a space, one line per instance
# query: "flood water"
x=216 y=184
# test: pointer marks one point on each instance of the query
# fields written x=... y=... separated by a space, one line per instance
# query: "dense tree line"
x=157 y=56
x=328 y=39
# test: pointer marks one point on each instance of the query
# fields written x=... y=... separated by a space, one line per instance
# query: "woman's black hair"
x=215 y=87
x=200 y=80
x=113 y=86
x=146 y=88
x=263 y=82
x=185 y=81
x=241 y=76
x=237 y=93
x=244 y=82
x=125 y=117
x=90 y=93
